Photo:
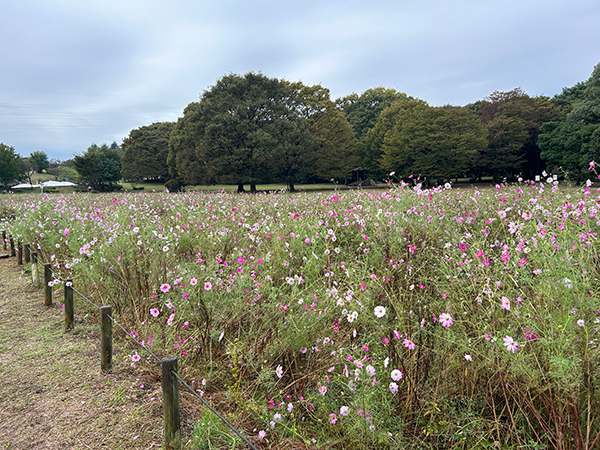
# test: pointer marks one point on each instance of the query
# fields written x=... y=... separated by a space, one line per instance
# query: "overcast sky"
x=77 y=72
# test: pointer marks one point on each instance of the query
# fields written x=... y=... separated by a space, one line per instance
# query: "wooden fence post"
x=4 y=240
x=19 y=253
x=69 y=310
x=34 y=270
x=106 y=338
x=47 y=287
x=27 y=253
x=12 y=247
x=171 y=404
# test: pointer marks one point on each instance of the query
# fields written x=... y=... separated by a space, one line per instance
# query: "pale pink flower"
x=510 y=344
x=446 y=320
x=396 y=375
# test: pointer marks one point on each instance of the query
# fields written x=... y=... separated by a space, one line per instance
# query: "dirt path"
x=52 y=392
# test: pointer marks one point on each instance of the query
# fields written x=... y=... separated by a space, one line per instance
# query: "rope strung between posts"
x=130 y=335
x=134 y=339
x=212 y=409
x=85 y=298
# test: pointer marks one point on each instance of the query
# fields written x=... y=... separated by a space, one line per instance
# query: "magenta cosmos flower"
x=165 y=287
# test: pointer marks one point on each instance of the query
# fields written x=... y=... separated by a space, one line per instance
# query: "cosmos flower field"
x=408 y=317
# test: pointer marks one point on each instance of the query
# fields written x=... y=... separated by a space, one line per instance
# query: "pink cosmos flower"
x=193 y=282
x=165 y=287
x=332 y=418
x=208 y=286
x=135 y=358
x=409 y=344
x=393 y=387
x=279 y=371
x=446 y=320
x=170 y=319
x=155 y=312
x=510 y=344
x=262 y=434
x=323 y=390
x=505 y=303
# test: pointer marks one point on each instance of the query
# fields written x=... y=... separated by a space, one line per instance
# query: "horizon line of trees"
x=254 y=129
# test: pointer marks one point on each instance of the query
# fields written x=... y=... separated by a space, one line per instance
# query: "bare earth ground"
x=52 y=392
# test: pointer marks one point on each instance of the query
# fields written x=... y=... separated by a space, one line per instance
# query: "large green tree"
x=100 y=167
x=233 y=133
x=10 y=165
x=371 y=151
x=251 y=129
x=336 y=151
x=572 y=143
x=435 y=142
x=39 y=159
x=512 y=120
x=145 y=152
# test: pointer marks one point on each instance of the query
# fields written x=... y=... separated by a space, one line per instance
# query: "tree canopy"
x=145 y=152
x=39 y=160
x=254 y=129
x=573 y=142
x=362 y=111
x=512 y=121
x=436 y=142
x=100 y=167
x=10 y=165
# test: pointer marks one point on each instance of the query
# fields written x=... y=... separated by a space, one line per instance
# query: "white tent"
x=53 y=183
x=22 y=186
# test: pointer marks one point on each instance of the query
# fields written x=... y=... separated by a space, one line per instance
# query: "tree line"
x=250 y=129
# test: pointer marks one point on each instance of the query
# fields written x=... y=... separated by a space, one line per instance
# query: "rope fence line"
x=170 y=376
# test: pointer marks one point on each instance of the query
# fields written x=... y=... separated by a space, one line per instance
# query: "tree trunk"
x=253 y=188
x=292 y=188
x=241 y=187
